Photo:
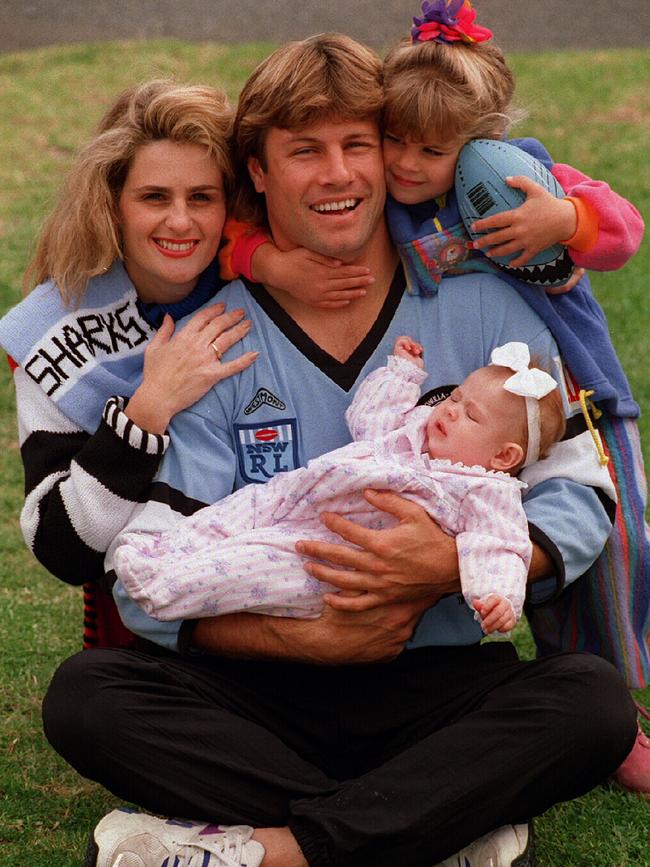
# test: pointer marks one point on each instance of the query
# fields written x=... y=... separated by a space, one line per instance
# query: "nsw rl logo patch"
x=266 y=449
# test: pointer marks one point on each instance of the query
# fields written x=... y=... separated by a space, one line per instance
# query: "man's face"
x=324 y=187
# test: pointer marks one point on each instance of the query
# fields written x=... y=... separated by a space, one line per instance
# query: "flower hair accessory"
x=530 y=383
x=448 y=21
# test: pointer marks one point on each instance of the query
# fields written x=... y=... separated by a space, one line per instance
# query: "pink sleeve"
x=493 y=543
x=620 y=226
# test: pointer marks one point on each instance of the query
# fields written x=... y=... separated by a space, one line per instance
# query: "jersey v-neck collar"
x=342 y=373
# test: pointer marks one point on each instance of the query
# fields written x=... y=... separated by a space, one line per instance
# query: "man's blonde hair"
x=81 y=237
x=451 y=92
x=325 y=77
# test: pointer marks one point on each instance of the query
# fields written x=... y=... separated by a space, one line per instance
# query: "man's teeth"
x=336 y=206
x=175 y=246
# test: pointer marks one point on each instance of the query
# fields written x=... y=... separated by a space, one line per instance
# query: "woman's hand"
x=181 y=366
x=413 y=560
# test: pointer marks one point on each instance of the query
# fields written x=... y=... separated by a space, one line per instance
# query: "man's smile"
x=342 y=205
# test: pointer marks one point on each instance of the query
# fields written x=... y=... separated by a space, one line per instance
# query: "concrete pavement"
x=531 y=25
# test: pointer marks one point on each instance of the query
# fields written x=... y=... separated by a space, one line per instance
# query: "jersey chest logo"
x=264 y=396
x=266 y=449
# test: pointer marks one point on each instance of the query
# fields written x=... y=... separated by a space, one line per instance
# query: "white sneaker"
x=509 y=846
x=125 y=838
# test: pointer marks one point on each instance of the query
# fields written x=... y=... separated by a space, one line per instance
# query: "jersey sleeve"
x=383 y=399
x=619 y=224
x=80 y=489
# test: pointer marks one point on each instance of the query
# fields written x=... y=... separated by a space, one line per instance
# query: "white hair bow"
x=529 y=383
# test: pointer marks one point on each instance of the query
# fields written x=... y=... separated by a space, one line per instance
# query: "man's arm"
x=335 y=638
x=191 y=477
x=414 y=560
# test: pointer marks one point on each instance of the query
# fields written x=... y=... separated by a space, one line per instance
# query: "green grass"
x=590 y=109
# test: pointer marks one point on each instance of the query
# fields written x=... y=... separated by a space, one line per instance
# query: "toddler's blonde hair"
x=452 y=93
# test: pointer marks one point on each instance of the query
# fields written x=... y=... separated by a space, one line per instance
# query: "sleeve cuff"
x=185 y=646
x=547 y=589
x=240 y=240
x=242 y=254
x=586 y=233
x=129 y=432
x=406 y=370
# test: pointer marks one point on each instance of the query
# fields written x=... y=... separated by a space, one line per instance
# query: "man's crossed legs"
x=394 y=763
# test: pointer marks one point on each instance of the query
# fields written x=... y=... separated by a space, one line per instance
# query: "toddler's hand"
x=541 y=221
x=406 y=347
x=495 y=614
x=320 y=281
x=577 y=275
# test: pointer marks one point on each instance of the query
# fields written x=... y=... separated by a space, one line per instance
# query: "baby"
x=457 y=460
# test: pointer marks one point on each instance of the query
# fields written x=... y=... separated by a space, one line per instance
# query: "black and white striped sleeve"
x=80 y=489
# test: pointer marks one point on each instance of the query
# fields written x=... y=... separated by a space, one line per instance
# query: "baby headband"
x=448 y=21
x=530 y=383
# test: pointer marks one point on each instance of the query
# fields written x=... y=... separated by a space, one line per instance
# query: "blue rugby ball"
x=482 y=191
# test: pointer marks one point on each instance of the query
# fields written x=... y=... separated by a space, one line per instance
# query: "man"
x=334 y=743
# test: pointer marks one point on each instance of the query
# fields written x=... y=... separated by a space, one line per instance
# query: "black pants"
x=391 y=764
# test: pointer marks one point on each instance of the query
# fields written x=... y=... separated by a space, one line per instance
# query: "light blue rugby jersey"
x=289 y=407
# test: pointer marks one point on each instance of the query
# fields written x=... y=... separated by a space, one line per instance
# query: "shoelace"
x=227 y=849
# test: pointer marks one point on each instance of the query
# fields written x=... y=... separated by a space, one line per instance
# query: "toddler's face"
x=474 y=423
x=418 y=171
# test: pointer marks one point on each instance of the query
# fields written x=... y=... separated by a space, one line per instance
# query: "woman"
x=99 y=372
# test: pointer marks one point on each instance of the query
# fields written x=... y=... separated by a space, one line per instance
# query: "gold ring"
x=218 y=352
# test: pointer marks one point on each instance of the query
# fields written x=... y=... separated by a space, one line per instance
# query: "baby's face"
x=474 y=423
x=418 y=171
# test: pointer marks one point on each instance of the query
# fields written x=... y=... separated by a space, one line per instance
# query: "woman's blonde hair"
x=452 y=93
x=328 y=76
x=81 y=237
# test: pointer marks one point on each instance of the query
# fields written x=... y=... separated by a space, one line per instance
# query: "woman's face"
x=171 y=211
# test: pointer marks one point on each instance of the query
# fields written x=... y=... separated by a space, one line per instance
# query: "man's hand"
x=388 y=581
x=334 y=638
x=344 y=637
x=413 y=560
